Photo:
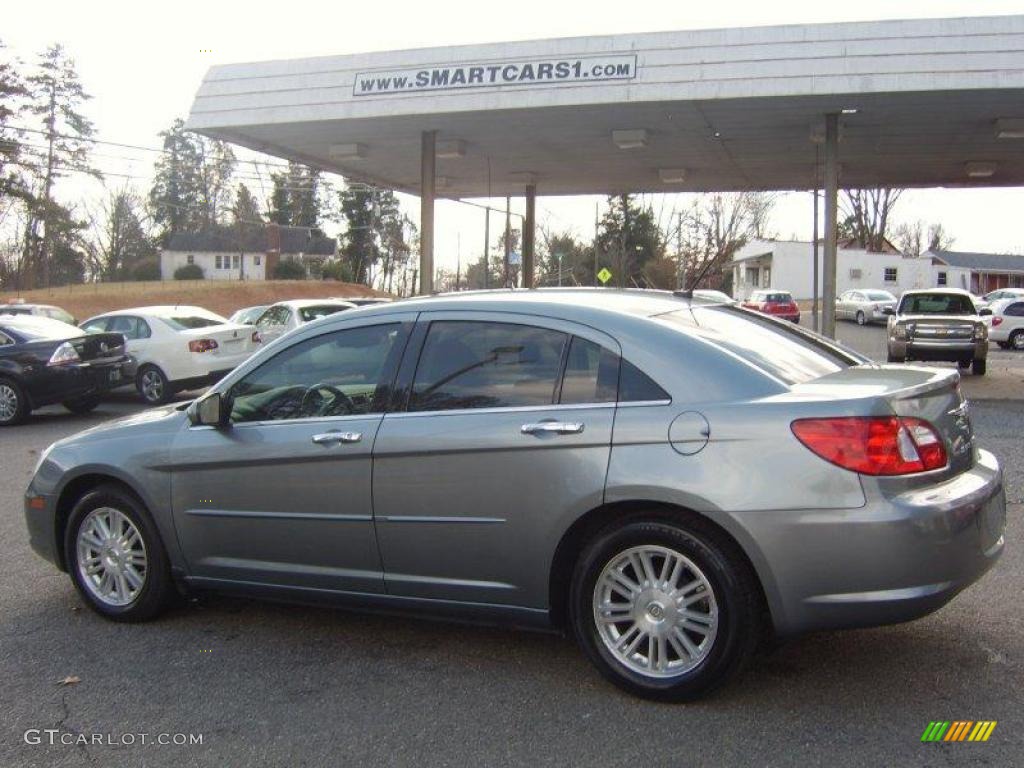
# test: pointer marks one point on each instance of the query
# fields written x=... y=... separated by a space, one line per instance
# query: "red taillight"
x=256 y=338
x=874 y=445
x=997 y=321
x=202 y=345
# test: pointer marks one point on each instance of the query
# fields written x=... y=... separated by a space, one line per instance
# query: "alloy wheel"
x=1017 y=342
x=8 y=402
x=112 y=559
x=152 y=386
x=655 y=611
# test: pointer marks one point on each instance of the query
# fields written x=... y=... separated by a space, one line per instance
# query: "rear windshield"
x=778 y=298
x=783 y=350
x=188 y=322
x=936 y=304
x=879 y=296
x=312 y=313
x=33 y=328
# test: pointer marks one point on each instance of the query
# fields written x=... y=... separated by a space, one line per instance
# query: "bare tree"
x=867 y=216
x=914 y=238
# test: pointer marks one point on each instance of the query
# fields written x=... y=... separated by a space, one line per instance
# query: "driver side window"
x=343 y=373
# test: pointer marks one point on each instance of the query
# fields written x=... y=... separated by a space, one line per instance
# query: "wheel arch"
x=586 y=526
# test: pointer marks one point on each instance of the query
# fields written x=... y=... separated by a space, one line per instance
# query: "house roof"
x=286 y=240
x=982 y=262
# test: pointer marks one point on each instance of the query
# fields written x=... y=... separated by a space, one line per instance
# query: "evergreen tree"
x=628 y=238
x=12 y=91
x=295 y=200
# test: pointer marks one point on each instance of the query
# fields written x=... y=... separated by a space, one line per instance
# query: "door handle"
x=327 y=438
x=553 y=428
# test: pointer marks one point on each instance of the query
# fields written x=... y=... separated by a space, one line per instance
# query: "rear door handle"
x=553 y=428
x=327 y=438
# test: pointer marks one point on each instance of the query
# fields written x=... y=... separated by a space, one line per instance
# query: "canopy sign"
x=496 y=73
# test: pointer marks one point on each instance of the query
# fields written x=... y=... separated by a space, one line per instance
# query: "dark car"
x=38 y=310
x=44 y=361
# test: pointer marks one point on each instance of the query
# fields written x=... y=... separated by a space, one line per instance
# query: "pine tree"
x=12 y=91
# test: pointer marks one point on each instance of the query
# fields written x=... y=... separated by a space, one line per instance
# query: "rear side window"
x=1015 y=310
x=591 y=374
x=469 y=364
x=130 y=327
x=636 y=386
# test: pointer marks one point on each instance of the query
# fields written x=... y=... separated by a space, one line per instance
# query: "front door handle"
x=327 y=438
x=553 y=428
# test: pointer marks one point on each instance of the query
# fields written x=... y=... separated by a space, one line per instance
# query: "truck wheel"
x=964 y=364
x=978 y=368
x=665 y=609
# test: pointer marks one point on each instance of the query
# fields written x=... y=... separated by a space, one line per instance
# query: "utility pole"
x=508 y=236
x=487 y=245
x=597 y=227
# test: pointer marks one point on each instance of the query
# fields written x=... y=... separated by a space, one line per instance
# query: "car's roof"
x=157 y=310
x=299 y=303
x=1000 y=304
x=943 y=291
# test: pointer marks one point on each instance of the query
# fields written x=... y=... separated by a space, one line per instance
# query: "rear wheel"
x=978 y=368
x=1017 y=340
x=665 y=610
x=153 y=385
x=14 y=406
x=861 y=319
x=81 y=404
x=115 y=557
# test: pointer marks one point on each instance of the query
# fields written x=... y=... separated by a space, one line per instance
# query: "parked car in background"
x=286 y=316
x=45 y=361
x=939 y=324
x=710 y=295
x=557 y=458
x=865 y=306
x=37 y=310
x=248 y=315
x=366 y=301
x=998 y=295
x=177 y=347
x=775 y=303
x=1006 y=323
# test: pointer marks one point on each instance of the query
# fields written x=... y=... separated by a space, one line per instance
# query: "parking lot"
x=288 y=685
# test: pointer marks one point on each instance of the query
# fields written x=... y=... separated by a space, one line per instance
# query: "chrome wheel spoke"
x=112 y=562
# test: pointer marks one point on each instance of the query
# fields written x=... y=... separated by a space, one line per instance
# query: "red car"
x=775 y=303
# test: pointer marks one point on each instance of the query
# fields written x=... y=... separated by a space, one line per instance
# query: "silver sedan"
x=667 y=480
x=865 y=306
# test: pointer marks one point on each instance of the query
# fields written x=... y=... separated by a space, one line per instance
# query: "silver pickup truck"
x=939 y=324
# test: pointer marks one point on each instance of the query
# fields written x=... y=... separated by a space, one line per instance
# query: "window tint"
x=337 y=374
x=99 y=325
x=591 y=374
x=130 y=327
x=637 y=386
x=190 y=322
x=486 y=365
x=1015 y=310
x=936 y=304
x=309 y=314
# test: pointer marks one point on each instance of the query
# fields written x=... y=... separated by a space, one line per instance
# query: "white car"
x=176 y=347
x=288 y=315
x=998 y=295
x=1006 y=323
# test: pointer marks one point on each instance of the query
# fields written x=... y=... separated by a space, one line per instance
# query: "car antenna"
x=688 y=292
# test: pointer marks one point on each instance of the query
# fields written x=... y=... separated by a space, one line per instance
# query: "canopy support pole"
x=427 y=166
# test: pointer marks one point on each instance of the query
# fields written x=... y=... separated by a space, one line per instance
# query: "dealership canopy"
x=919 y=103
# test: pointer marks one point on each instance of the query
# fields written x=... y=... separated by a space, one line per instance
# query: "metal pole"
x=529 y=233
x=427 y=166
x=508 y=237
x=814 y=270
x=487 y=245
x=828 y=298
x=597 y=228
x=681 y=279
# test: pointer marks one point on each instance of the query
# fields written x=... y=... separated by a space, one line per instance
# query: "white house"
x=788 y=265
x=227 y=254
x=977 y=272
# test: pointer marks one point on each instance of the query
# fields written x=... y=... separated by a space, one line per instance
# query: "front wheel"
x=964 y=364
x=115 y=557
x=666 y=611
x=14 y=407
x=978 y=367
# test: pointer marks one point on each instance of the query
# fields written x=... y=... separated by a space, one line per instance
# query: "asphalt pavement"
x=284 y=685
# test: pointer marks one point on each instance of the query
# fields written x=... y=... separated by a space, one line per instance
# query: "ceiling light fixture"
x=980 y=170
x=450 y=149
x=1010 y=128
x=630 y=139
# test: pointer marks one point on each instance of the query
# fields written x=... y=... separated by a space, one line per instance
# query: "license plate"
x=115 y=375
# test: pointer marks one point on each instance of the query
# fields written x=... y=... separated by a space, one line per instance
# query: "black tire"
x=11 y=391
x=158 y=588
x=1016 y=341
x=963 y=364
x=732 y=584
x=81 y=404
x=861 y=318
x=1003 y=344
x=896 y=359
x=978 y=367
x=153 y=386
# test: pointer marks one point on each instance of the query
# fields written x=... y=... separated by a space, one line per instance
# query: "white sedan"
x=176 y=347
x=288 y=315
x=1006 y=323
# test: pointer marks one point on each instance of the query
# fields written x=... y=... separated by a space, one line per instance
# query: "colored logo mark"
x=959 y=730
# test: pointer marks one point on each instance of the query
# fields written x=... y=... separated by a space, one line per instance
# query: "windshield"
x=783 y=350
x=188 y=322
x=936 y=304
x=321 y=310
x=32 y=328
x=879 y=296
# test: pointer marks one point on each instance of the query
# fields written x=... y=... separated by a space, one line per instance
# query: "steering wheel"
x=309 y=407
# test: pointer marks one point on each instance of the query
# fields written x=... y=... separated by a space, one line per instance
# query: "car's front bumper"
x=916 y=349
x=899 y=557
x=41 y=520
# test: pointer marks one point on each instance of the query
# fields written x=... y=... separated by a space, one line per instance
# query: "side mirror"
x=888 y=311
x=985 y=311
x=209 y=410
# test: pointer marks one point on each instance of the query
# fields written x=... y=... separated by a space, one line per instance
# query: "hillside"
x=222 y=297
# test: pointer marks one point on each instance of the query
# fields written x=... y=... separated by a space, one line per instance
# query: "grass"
x=220 y=296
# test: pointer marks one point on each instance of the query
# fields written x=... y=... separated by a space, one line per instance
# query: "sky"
x=143 y=63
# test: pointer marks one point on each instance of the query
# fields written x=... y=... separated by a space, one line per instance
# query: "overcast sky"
x=143 y=62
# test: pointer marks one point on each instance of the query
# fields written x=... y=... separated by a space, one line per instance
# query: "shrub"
x=337 y=270
x=189 y=272
x=289 y=269
x=148 y=269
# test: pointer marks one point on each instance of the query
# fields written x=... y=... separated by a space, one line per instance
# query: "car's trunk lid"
x=932 y=394
x=99 y=348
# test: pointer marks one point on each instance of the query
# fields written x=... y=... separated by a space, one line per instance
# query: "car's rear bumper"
x=60 y=383
x=897 y=558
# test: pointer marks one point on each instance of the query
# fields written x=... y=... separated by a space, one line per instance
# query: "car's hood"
x=167 y=418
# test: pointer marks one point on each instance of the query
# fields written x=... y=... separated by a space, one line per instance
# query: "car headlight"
x=899 y=331
x=980 y=331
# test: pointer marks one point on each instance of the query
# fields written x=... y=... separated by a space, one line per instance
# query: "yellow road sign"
x=604 y=275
